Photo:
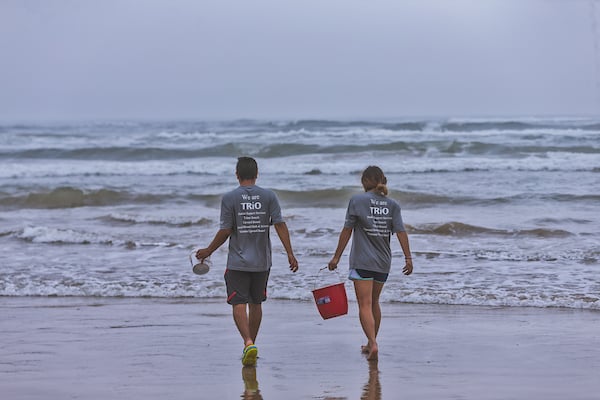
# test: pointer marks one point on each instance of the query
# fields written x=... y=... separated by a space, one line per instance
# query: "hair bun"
x=382 y=189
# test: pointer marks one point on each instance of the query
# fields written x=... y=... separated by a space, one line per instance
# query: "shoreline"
x=151 y=348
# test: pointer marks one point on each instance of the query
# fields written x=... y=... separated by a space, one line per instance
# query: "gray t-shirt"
x=249 y=211
x=373 y=218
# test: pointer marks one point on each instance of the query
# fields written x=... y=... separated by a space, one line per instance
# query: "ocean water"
x=499 y=211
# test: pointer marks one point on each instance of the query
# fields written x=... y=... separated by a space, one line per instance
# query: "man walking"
x=246 y=215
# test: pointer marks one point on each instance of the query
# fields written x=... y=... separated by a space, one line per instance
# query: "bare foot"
x=373 y=353
x=365 y=349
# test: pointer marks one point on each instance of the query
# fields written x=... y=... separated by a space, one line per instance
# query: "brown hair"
x=373 y=178
x=246 y=168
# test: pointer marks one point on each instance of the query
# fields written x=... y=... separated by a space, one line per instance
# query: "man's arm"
x=284 y=236
x=220 y=238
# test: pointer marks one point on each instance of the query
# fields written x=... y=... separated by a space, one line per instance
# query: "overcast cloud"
x=214 y=59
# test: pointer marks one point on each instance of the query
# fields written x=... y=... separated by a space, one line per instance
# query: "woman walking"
x=373 y=218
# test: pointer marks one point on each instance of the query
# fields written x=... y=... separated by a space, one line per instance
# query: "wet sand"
x=102 y=348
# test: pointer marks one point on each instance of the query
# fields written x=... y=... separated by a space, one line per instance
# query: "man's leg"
x=241 y=321
x=254 y=320
x=258 y=294
x=238 y=288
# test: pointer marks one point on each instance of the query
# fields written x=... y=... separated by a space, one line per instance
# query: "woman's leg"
x=377 y=287
x=364 y=296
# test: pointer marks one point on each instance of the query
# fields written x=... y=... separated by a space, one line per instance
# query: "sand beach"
x=146 y=348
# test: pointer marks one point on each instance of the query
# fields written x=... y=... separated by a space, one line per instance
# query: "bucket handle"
x=319 y=271
x=193 y=257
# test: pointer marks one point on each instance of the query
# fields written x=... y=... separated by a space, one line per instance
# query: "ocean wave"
x=271 y=125
x=86 y=287
x=519 y=126
x=42 y=234
x=515 y=150
x=70 y=197
x=485 y=298
x=73 y=197
x=126 y=153
x=578 y=256
x=130 y=219
x=338 y=198
x=316 y=198
x=411 y=125
x=461 y=229
x=232 y=149
x=570 y=198
x=282 y=147
x=44 y=286
x=60 y=236
x=48 y=235
x=347 y=164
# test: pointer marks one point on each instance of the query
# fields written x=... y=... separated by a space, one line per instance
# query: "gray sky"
x=214 y=59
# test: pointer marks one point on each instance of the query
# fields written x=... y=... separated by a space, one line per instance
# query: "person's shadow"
x=372 y=389
x=251 y=391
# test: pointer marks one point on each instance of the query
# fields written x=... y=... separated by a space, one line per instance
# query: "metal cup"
x=199 y=267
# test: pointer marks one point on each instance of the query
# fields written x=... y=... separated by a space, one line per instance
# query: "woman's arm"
x=403 y=239
x=345 y=235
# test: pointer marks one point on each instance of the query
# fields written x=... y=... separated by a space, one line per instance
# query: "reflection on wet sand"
x=372 y=389
x=251 y=391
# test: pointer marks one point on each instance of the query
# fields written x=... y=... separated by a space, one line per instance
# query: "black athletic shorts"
x=246 y=287
x=365 y=275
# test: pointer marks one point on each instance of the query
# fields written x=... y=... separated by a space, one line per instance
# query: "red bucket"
x=331 y=300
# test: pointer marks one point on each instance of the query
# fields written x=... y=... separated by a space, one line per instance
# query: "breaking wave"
x=462 y=229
